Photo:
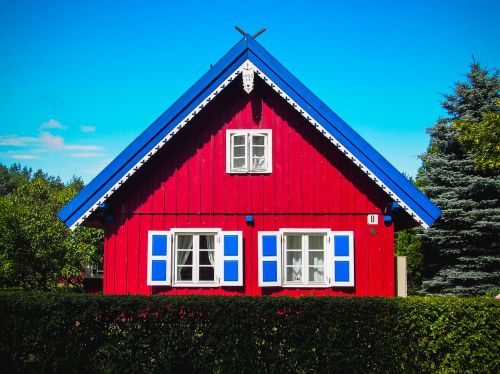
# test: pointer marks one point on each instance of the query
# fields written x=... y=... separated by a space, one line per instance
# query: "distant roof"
x=249 y=54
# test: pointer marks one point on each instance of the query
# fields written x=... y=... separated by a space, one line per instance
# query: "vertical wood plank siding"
x=186 y=185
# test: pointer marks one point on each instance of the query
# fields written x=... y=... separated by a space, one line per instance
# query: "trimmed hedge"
x=84 y=333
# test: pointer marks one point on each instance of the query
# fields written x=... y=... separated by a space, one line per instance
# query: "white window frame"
x=217 y=253
x=247 y=168
x=305 y=232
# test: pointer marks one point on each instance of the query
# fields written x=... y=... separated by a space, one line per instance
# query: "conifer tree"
x=462 y=249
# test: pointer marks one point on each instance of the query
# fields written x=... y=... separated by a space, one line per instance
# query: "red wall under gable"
x=185 y=185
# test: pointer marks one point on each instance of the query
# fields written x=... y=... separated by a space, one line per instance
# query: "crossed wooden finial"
x=240 y=30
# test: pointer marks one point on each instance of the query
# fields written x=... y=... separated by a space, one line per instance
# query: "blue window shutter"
x=269 y=258
x=341 y=258
x=231 y=263
x=159 y=258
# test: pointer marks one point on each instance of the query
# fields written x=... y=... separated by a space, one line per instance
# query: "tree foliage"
x=461 y=250
x=482 y=139
x=37 y=251
x=408 y=244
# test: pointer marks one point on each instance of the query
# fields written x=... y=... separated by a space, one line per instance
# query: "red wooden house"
x=249 y=185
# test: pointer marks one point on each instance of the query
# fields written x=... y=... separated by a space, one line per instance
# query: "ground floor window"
x=195 y=258
x=304 y=259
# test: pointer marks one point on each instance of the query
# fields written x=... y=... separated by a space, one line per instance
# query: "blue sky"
x=80 y=80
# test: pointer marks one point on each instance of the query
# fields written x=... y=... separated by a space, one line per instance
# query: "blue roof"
x=249 y=49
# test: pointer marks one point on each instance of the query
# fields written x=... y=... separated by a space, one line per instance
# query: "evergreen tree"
x=461 y=249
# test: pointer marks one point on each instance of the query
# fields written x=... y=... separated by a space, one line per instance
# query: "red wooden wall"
x=185 y=185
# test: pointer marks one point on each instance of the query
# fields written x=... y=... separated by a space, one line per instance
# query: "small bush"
x=81 y=333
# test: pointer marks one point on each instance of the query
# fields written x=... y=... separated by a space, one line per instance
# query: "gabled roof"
x=249 y=54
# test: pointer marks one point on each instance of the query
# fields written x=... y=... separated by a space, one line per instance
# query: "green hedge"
x=83 y=333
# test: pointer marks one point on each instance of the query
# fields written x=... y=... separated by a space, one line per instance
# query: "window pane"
x=294 y=258
x=184 y=258
x=294 y=242
x=239 y=139
x=316 y=274
x=259 y=163
x=258 y=151
x=207 y=241
x=316 y=242
x=239 y=151
x=207 y=273
x=293 y=274
x=239 y=162
x=258 y=139
x=316 y=258
x=184 y=273
x=207 y=257
x=185 y=242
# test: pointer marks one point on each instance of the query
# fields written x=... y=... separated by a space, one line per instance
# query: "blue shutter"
x=269 y=258
x=341 y=259
x=159 y=258
x=231 y=265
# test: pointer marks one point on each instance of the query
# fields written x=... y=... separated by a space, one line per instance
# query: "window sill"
x=193 y=285
x=249 y=172
x=306 y=286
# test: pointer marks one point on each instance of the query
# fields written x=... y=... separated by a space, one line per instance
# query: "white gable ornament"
x=247 y=74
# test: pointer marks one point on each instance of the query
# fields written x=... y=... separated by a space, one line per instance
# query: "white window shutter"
x=341 y=259
x=269 y=258
x=231 y=259
x=159 y=258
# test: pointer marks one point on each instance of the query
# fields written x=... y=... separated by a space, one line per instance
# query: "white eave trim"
x=245 y=66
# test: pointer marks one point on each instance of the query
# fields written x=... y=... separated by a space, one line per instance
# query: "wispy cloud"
x=87 y=128
x=86 y=154
x=15 y=140
x=23 y=156
x=47 y=142
x=82 y=147
x=53 y=124
x=52 y=141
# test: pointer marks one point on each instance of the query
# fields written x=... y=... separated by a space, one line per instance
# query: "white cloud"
x=85 y=154
x=82 y=147
x=52 y=141
x=87 y=128
x=53 y=124
x=24 y=156
x=15 y=140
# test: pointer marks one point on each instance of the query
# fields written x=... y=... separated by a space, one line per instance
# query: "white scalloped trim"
x=209 y=98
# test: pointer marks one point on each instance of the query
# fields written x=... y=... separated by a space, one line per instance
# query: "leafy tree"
x=461 y=250
x=36 y=250
x=408 y=244
x=482 y=139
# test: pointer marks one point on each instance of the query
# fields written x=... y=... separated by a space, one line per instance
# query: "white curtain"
x=297 y=268
x=184 y=248
x=317 y=270
x=211 y=245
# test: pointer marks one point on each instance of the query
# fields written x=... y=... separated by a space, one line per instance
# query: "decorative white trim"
x=247 y=74
x=158 y=146
x=341 y=148
x=297 y=107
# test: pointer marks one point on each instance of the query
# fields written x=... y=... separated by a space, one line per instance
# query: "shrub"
x=50 y=332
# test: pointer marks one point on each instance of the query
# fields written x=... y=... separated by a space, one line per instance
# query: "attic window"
x=248 y=151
